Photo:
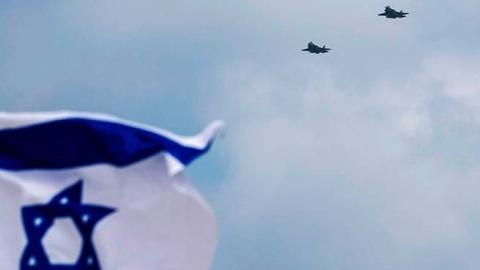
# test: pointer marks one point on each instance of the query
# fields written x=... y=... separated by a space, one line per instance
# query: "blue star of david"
x=37 y=220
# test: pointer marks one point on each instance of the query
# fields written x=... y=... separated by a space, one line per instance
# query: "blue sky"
x=363 y=158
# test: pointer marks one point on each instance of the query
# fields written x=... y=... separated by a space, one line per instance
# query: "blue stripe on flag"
x=75 y=142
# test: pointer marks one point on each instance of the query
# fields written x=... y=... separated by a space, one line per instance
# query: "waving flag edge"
x=20 y=130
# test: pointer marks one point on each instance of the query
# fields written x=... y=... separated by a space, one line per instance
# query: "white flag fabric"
x=81 y=191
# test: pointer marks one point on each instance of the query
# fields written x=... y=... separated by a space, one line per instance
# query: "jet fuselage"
x=312 y=48
x=391 y=13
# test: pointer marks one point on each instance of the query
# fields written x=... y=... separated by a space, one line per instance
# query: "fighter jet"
x=312 y=48
x=391 y=13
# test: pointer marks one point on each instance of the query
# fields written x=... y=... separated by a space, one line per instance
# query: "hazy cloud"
x=339 y=180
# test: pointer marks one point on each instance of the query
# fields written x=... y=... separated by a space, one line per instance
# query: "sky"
x=363 y=158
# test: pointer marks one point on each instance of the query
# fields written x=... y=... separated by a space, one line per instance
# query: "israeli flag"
x=88 y=192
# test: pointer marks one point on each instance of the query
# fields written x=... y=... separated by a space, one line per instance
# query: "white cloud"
x=360 y=177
